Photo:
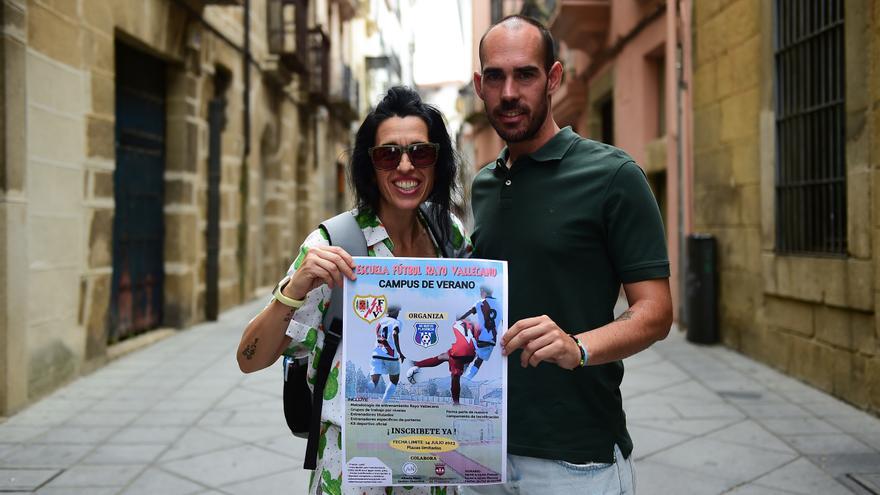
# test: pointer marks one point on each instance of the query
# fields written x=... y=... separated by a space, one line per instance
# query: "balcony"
x=581 y=24
x=541 y=10
x=347 y=9
x=569 y=103
x=471 y=107
x=345 y=101
x=319 y=66
x=287 y=33
x=389 y=63
x=275 y=71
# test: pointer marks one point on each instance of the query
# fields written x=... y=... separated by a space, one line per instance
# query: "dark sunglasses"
x=421 y=155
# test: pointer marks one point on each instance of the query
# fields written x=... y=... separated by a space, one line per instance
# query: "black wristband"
x=580 y=348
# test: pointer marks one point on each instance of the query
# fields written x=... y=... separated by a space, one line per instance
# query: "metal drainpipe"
x=682 y=248
x=674 y=56
x=246 y=67
x=680 y=88
x=243 y=180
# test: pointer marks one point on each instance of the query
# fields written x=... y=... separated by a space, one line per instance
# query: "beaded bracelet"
x=582 y=349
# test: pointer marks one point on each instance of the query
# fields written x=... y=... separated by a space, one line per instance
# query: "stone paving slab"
x=179 y=418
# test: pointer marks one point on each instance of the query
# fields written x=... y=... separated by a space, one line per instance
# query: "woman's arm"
x=318 y=267
x=264 y=339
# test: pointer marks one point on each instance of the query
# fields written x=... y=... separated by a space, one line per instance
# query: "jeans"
x=534 y=476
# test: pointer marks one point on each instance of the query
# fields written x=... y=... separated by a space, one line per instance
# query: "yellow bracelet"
x=287 y=301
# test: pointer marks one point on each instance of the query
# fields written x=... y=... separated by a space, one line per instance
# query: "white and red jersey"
x=385 y=331
x=465 y=340
x=488 y=312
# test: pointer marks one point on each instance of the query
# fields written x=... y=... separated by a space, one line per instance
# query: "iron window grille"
x=810 y=127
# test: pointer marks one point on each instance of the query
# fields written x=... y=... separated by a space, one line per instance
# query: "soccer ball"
x=411 y=374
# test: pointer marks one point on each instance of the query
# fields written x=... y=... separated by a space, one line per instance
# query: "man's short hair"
x=393 y=310
x=549 y=44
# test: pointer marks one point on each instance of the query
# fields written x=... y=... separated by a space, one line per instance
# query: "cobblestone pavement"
x=178 y=418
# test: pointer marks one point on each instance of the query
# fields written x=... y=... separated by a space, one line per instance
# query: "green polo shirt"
x=574 y=220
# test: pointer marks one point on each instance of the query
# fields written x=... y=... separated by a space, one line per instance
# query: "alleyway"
x=179 y=418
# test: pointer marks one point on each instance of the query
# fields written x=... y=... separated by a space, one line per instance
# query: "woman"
x=402 y=157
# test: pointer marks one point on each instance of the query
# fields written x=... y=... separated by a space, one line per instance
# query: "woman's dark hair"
x=402 y=102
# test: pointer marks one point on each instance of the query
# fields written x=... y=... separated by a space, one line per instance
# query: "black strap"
x=331 y=343
x=428 y=211
x=343 y=231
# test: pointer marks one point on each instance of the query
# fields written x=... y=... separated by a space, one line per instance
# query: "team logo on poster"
x=370 y=308
x=425 y=334
x=440 y=469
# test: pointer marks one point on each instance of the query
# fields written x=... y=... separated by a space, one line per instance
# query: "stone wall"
x=814 y=318
x=58 y=113
x=13 y=206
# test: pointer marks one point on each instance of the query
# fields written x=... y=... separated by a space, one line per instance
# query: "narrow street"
x=179 y=418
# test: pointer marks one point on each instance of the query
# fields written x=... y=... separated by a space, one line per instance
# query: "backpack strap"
x=343 y=231
x=428 y=211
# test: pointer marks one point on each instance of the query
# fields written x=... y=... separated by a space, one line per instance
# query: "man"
x=488 y=312
x=387 y=352
x=575 y=219
x=459 y=355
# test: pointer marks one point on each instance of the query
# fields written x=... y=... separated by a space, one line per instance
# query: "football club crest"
x=425 y=334
x=370 y=308
x=440 y=469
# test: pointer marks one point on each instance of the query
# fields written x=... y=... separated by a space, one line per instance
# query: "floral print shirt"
x=307 y=339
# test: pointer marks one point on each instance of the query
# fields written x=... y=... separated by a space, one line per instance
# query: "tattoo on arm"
x=626 y=315
x=289 y=315
x=250 y=349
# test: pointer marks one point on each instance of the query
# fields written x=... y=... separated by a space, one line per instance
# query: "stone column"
x=13 y=207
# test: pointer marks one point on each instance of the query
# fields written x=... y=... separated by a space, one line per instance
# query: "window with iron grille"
x=810 y=137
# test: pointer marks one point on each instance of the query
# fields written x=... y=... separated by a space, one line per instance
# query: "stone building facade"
x=622 y=88
x=790 y=293
x=617 y=88
x=161 y=162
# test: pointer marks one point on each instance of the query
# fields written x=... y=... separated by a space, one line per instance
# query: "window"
x=810 y=137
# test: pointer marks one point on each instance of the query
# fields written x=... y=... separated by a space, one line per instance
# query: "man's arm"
x=397 y=343
x=471 y=311
x=646 y=321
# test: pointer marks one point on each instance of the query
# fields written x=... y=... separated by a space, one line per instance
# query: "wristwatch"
x=287 y=301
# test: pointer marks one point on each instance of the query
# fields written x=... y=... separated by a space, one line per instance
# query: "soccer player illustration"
x=386 y=355
x=488 y=311
x=460 y=354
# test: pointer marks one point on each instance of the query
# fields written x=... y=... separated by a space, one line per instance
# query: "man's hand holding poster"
x=425 y=386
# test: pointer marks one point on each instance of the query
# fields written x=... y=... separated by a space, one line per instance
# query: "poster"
x=433 y=326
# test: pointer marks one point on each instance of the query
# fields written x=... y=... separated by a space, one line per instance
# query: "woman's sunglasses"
x=421 y=155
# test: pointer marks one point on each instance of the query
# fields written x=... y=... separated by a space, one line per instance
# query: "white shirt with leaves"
x=307 y=339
